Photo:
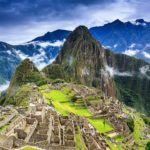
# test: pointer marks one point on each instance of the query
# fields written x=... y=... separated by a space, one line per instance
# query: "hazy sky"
x=23 y=20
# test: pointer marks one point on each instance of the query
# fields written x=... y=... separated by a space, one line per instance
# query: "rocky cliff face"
x=83 y=60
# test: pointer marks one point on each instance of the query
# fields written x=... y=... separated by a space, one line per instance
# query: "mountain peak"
x=140 y=21
x=53 y=36
x=117 y=21
x=80 y=30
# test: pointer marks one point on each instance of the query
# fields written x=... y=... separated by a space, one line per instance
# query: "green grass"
x=63 y=104
x=43 y=87
x=3 y=128
x=60 y=108
x=80 y=145
x=101 y=125
x=58 y=96
x=119 y=138
x=68 y=91
x=28 y=148
x=113 y=146
x=138 y=127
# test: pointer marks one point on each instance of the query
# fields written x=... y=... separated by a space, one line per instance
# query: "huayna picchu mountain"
x=82 y=59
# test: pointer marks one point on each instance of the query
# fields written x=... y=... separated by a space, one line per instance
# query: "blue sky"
x=22 y=20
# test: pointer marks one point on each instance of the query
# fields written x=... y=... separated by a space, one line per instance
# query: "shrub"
x=130 y=123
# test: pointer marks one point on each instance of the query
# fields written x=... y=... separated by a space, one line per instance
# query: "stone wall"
x=19 y=123
x=7 y=120
x=32 y=129
x=7 y=143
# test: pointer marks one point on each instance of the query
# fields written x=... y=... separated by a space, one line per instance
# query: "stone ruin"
x=43 y=127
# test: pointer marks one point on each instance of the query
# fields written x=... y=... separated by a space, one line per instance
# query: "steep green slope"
x=17 y=93
x=133 y=89
x=26 y=72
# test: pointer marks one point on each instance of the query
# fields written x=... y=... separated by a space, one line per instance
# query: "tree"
x=147 y=146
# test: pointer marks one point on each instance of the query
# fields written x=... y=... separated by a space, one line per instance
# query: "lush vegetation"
x=130 y=123
x=138 y=127
x=134 y=92
x=147 y=146
x=101 y=125
x=29 y=148
x=54 y=71
x=114 y=146
x=62 y=101
x=21 y=97
x=25 y=73
x=4 y=128
x=146 y=120
x=80 y=145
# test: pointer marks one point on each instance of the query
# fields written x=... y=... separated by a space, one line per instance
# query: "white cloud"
x=144 y=69
x=146 y=55
x=115 y=72
x=9 y=52
x=54 y=44
x=147 y=45
x=132 y=45
x=70 y=60
x=57 y=43
x=92 y=15
x=138 y=23
x=40 y=60
x=21 y=55
x=4 y=86
x=115 y=45
x=131 y=52
x=85 y=71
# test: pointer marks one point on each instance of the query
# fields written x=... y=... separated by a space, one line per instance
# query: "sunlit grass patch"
x=63 y=104
x=119 y=138
x=29 y=148
x=113 y=146
x=4 y=128
x=58 y=96
x=80 y=145
x=101 y=125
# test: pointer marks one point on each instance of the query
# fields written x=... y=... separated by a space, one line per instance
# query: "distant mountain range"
x=130 y=38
